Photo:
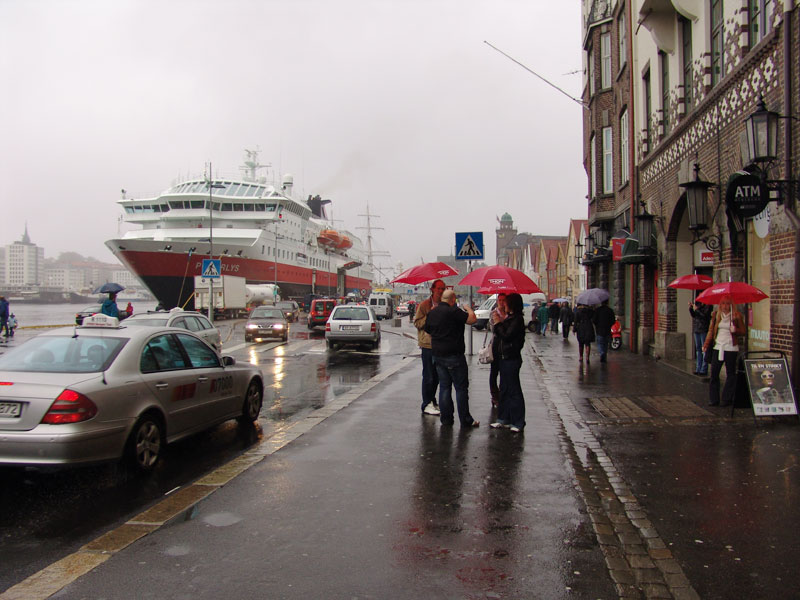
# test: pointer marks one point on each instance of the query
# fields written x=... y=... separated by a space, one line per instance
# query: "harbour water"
x=40 y=315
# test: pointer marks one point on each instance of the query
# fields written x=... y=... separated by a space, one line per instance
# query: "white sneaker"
x=430 y=409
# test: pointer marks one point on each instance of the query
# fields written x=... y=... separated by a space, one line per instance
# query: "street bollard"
x=397 y=322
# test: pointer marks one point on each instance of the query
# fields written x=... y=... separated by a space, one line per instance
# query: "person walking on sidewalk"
x=510 y=335
x=430 y=380
x=555 y=312
x=566 y=316
x=544 y=317
x=603 y=319
x=4 y=316
x=724 y=334
x=584 y=330
x=701 y=319
x=498 y=316
x=445 y=324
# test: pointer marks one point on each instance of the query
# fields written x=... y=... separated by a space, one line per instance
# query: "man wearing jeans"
x=430 y=380
x=603 y=318
x=445 y=324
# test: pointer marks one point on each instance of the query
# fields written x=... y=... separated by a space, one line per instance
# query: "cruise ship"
x=258 y=230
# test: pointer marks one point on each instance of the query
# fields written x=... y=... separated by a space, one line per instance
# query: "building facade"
x=24 y=263
x=673 y=114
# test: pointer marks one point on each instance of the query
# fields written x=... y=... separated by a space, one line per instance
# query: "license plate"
x=10 y=410
x=350 y=327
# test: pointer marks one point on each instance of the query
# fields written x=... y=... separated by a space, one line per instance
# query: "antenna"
x=251 y=165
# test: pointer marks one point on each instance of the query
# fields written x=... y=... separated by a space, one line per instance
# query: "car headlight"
x=251 y=326
x=278 y=326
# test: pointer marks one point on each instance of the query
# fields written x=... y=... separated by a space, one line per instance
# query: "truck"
x=230 y=296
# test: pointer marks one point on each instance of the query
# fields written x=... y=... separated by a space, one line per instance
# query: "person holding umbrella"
x=724 y=335
x=510 y=335
x=701 y=319
x=109 y=306
x=430 y=379
x=584 y=330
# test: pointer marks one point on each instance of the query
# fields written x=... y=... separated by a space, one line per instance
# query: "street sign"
x=212 y=268
x=469 y=245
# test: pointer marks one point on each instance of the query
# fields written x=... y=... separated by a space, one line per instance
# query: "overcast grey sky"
x=395 y=103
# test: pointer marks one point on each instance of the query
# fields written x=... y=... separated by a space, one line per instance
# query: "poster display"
x=770 y=388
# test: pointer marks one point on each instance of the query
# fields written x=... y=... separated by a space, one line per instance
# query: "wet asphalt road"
x=625 y=484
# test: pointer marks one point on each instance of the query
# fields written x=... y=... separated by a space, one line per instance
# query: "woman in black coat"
x=510 y=336
x=584 y=330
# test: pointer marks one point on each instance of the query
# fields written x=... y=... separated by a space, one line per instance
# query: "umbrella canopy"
x=738 y=292
x=109 y=288
x=559 y=300
x=592 y=296
x=425 y=272
x=497 y=278
x=692 y=282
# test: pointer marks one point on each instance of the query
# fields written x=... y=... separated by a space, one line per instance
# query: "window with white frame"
x=608 y=161
x=623 y=146
x=686 y=62
x=605 y=61
x=593 y=165
x=663 y=60
x=717 y=42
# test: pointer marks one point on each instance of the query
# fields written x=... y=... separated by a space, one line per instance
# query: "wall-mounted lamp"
x=697 y=205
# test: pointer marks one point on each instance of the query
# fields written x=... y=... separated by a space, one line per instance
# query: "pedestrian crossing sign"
x=211 y=268
x=469 y=245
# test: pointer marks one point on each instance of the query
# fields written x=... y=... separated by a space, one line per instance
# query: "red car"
x=320 y=311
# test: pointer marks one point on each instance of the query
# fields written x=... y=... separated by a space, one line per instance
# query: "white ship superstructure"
x=257 y=229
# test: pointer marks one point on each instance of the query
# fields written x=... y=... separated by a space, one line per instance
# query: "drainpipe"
x=791 y=205
x=632 y=172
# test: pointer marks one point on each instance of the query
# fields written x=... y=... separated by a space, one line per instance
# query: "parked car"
x=87 y=312
x=101 y=392
x=320 y=311
x=290 y=309
x=402 y=309
x=352 y=324
x=483 y=312
x=266 y=322
x=185 y=319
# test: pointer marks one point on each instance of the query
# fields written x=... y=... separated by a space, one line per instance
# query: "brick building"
x=667 y=109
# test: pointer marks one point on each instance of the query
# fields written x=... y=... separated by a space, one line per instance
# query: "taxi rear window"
x=63 y=354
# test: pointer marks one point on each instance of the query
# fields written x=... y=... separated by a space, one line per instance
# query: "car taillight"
x=373 y=327
x=327 y=326
x=70 y=407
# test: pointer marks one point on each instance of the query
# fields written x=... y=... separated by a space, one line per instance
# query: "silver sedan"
x=351 y=324
x=103 y=391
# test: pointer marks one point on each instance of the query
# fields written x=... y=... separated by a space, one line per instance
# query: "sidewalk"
x=624 y=484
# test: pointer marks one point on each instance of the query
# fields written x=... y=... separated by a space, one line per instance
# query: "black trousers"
x=729 y=391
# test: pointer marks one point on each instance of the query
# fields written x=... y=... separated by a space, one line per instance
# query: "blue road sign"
x=469 y=245
x=211 y=268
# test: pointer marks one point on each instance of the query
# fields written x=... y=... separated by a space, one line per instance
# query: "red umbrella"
x=497 y=278
x=738 y=292
x=692 y=282
x=425 y=272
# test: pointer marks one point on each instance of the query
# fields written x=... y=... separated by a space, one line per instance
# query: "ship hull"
x=169 y=275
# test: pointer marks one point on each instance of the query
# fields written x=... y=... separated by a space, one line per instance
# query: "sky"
x=398 y=105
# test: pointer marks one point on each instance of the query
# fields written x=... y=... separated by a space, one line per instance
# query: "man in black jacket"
x=445 y=324
x=604 y=318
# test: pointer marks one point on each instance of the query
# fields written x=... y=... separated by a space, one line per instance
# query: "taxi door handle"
x=161 y=386
x=202 y=379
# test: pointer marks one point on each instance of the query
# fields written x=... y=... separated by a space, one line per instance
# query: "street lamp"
x=644 y=230
x=762 y=133
x=697 y=200
x=211 y=185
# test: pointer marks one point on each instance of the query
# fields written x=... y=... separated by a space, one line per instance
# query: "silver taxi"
x=104 y=391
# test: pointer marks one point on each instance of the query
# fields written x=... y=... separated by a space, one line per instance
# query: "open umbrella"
x=738 y=291
x=497 y=278
x=692 y=282
x=560 y=300
x=109 y=288
x=592 y=296
x=425 y=272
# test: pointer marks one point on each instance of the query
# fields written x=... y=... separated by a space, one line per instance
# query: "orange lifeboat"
x=345 y=243
x=329 y=237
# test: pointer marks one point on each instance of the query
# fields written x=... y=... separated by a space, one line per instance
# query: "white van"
x=529 y=301
x=382 y=305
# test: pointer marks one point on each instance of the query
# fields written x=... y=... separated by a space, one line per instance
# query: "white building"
x=24 y=262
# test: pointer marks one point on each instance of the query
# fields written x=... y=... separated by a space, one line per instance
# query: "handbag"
x=485 y=354
x=709 y=355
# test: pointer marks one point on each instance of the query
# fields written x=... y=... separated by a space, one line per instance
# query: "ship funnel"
x=287 y=184
x=317 y=206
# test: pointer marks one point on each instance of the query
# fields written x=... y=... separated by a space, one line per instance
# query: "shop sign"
x=745 y=195
x=616 y=248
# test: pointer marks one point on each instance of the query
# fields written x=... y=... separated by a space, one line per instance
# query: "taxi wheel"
x=146 y=443
x=252 y=403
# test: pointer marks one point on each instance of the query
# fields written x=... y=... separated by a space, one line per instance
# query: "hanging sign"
x=745 y=195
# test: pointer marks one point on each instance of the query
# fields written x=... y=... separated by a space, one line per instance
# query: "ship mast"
x=251 y=165
x=370 y=228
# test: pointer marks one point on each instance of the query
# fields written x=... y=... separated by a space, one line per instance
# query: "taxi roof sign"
x=99 y=320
